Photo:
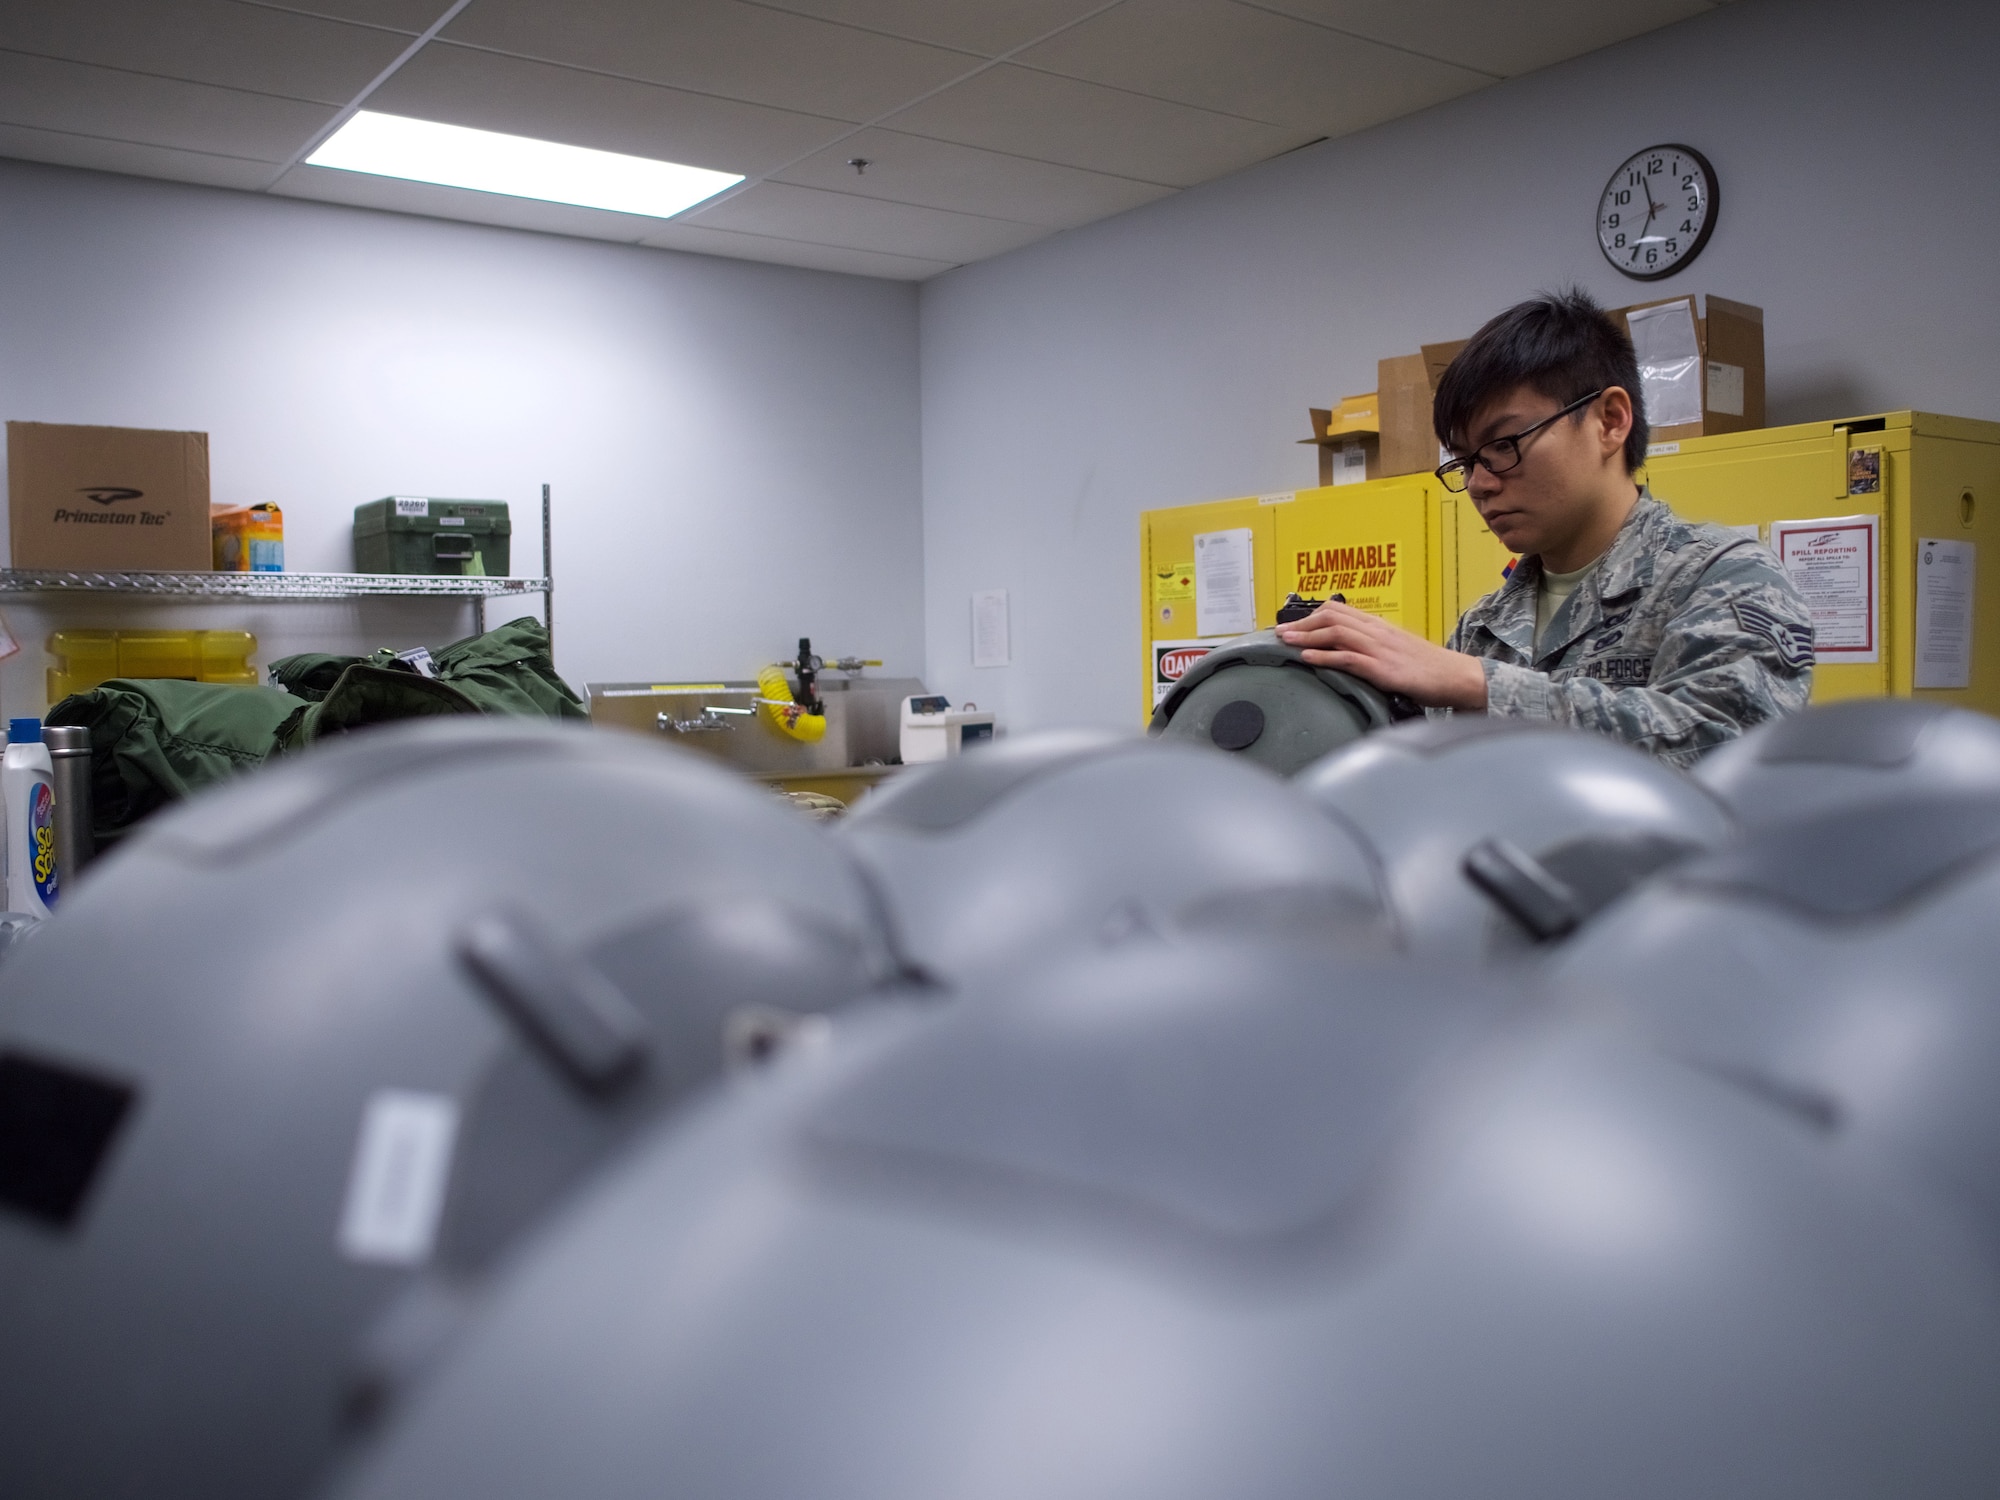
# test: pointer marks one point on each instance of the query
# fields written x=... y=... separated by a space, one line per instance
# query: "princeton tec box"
x=111 y=498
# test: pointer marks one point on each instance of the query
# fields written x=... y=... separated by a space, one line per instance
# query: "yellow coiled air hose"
x=774 y=703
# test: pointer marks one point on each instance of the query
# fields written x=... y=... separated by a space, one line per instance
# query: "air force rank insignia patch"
x=1794 y=643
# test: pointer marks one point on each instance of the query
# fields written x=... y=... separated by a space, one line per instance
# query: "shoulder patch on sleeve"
x=1793 y=642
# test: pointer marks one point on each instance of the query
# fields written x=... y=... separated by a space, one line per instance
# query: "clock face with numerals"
x=1657 y=211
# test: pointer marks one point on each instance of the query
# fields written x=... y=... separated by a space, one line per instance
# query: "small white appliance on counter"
x=934 y=730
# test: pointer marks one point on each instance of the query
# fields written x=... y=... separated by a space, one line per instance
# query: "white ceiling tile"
x=460 y=86
x=87 y=100
x=1122 y=104
x=803 y=213
x=363 y=190
x=409 y=16
x=1063 y=120
x=939 y=174
x=793 y=253
x=134 y=160
x=721 y=47
x=987 y=27
x=358 y=190
x=207 y=41
x=1238 y=60
x=1504 y=39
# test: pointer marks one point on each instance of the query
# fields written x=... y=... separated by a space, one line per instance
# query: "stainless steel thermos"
x=69 y=753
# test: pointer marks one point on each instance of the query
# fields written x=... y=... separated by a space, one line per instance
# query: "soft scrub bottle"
x=27 y=789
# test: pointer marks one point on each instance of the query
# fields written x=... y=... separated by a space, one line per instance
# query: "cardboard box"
x=1437 y=359
x=1406 y=386
x=1721 y=353
x=113 y=499
x=1348 y=438
x=1701 y=375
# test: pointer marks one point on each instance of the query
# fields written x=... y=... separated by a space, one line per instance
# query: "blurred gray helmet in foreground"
x=1194 y=1219
x=1495 y=835
x=328 y=1040
x=1040 y=843
x=1258 y=698
x=1844 y=965
x=1846 y=754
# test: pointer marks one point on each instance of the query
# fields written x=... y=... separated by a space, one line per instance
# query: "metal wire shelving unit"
x=15 y=582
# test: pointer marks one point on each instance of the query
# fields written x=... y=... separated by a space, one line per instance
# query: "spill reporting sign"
x=1833 y=562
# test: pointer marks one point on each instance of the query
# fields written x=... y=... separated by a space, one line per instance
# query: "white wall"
x=732 y=446
x=1168 y=356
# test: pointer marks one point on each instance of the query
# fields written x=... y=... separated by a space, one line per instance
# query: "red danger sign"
x=1171 y=660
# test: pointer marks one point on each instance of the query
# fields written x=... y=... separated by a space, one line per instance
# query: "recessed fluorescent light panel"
x=488 y=162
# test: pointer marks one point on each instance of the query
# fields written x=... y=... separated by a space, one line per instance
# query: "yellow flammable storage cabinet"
x=1401 y=548
x=1879 y=520
x=1845 y=504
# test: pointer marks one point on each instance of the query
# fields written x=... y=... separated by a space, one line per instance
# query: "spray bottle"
x=27 y=790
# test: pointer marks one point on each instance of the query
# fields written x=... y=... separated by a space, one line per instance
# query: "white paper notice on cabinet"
x=1834 y=562
x=1225 y=583
x=1944 y=614
x=989 y=628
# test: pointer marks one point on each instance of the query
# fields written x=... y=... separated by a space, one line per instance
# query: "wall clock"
x=1657 y=211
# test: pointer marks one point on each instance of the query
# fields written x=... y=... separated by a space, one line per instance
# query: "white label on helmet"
x=395 y=1192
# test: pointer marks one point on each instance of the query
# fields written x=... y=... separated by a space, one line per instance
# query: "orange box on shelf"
x=248 y=539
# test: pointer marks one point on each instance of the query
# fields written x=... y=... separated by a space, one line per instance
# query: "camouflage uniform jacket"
x=1685 y=636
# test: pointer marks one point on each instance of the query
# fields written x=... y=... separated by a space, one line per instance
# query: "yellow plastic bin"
x=85 y=658
x=224 y=656
x=157 y=653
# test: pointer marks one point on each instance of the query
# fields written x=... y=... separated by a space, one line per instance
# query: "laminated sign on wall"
x=1834 y=564
x=991 y=646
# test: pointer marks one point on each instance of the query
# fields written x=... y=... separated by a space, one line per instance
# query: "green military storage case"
x=410 y=534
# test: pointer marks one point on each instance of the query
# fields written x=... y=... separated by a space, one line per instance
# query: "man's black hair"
x=1561 y=345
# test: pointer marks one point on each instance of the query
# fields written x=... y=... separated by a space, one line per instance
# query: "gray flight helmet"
x=1200 y=1219
x=1844 y=754
x=1257 y=697
x=1499 y=837
x=330 y=1039
x=1844 y=964
x=1081 y=837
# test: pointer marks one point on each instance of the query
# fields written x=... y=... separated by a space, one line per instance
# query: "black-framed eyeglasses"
x=1503 y=453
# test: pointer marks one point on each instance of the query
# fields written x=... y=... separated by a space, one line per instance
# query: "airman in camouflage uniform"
x=1684 y=636
x=1668 y=636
